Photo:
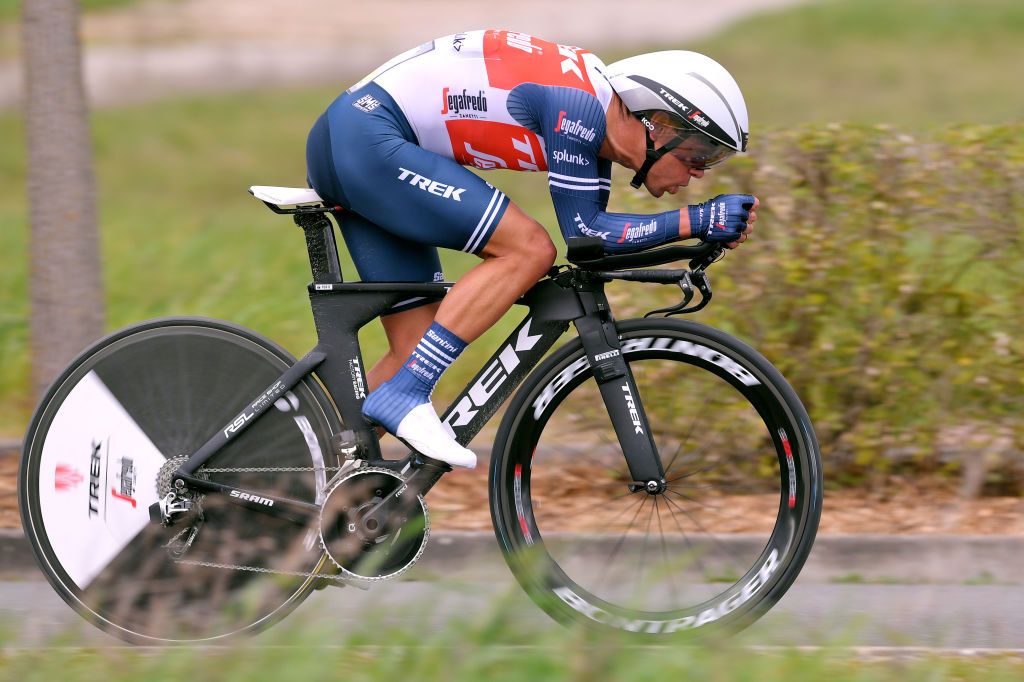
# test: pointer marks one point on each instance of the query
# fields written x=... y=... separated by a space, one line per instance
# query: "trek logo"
x=366 y=103
x=641 y=230
x=66 y=477
x=699 y=120
x=631 y=406
x=574 y=159
x=491 y=379
x=456 y=104
x=574 y=128
x=672 y=98
x=432 y=186
x=582 y=227
x=95 y=466
x=355 y=369
x=571 y=61
x=252 y=498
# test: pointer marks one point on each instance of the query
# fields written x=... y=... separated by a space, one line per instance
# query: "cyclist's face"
x=672 y=171
x=668 y=174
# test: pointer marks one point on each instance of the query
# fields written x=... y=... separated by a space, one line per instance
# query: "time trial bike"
x=187 y=479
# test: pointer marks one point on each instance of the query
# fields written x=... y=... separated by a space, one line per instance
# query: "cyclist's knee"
x=542 y=251
x=523 y=239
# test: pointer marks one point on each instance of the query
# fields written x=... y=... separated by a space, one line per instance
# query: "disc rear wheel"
x=92 y=467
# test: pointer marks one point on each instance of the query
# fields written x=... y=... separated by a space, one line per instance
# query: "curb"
x=897 y=559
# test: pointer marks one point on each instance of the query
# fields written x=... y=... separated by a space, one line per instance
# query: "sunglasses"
x=698 y=151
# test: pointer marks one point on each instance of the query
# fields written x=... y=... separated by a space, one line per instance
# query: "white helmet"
x=696 y=90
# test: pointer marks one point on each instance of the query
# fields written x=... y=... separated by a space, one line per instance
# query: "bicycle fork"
x=618 y=390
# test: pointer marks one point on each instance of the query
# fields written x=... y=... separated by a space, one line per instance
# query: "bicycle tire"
x=144 y=394
x=576 y=564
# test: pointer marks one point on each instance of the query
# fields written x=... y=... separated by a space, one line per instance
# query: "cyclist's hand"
x=727 y=218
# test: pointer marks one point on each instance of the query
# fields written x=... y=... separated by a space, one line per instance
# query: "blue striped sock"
x=415 y=381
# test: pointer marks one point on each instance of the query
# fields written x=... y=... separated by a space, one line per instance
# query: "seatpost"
x=323 y=250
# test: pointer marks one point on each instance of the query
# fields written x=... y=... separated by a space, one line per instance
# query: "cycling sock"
x=415 y=381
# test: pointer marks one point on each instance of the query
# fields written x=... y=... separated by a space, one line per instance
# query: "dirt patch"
x=459 y=502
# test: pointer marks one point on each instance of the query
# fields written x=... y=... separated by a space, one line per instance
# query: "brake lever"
x=686 y=284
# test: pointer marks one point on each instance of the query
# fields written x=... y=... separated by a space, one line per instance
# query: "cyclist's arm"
x=579 y=216
x=572 y=123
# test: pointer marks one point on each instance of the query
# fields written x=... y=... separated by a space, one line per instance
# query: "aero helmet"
x=697 y=95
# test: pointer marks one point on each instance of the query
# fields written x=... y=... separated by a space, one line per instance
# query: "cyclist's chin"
x=657 y=192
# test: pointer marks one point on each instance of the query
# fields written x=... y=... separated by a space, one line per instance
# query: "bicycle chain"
x=265 y=470
x=260 y=569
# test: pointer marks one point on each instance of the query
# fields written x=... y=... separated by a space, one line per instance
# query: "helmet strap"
x=652 y=154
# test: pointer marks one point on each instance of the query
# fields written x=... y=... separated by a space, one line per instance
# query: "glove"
x=722 y=219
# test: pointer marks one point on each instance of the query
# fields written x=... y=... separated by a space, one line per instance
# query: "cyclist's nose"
x=697 y=173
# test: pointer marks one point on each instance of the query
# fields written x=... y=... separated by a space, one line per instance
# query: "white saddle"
x=285 y=196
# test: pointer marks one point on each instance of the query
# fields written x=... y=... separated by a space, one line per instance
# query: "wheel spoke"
x=711 y=535
x=704 y=572
x=621 y=541
x=690 y=499
x=664 y=552
x=643 y=552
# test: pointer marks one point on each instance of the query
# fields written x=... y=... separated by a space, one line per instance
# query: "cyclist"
x=391 y=151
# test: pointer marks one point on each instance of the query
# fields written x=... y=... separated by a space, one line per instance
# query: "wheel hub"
x=655 y=487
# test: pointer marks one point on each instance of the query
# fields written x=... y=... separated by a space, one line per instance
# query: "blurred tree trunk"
x=65 y=278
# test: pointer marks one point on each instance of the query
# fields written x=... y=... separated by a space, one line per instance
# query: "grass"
x=909 y=62
x=483 y=647
x=181 y=235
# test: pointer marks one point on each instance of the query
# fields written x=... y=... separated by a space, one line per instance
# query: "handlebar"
x=587 y=253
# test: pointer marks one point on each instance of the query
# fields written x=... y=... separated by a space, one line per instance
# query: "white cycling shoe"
x=421 y=429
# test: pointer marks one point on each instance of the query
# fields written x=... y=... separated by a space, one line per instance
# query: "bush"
x=884 y=279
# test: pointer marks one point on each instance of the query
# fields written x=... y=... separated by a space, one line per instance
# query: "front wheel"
x=718 y=547
x=101 y=449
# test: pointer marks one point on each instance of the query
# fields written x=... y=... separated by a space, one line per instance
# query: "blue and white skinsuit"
x=391 y=150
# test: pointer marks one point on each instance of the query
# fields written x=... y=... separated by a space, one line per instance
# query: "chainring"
x=380 y=553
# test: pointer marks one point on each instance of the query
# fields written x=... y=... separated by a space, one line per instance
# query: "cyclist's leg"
x=517 y=255
x=421 y=197
x=404 y=330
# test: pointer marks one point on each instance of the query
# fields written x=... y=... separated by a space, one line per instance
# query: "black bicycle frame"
x=340 y=309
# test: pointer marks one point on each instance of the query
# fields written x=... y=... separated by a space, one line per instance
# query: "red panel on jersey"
x=516 y=58
x=489 y=144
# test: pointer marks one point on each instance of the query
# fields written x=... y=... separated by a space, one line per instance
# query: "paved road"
x=812 y=614
x=950 y=614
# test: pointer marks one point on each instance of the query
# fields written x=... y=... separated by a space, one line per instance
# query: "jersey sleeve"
x=572 y=124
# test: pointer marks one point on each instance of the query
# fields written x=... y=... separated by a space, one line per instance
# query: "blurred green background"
x=884 y=278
